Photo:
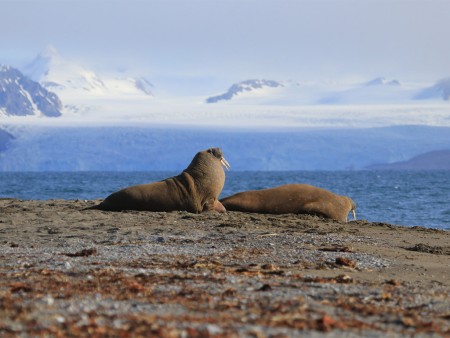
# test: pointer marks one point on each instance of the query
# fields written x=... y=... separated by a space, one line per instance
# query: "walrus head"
x=208 y=163
x=217 y=152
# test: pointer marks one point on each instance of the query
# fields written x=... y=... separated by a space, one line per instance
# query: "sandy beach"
x=65 y=271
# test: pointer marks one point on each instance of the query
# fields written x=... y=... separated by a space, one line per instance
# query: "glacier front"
x=43 y=148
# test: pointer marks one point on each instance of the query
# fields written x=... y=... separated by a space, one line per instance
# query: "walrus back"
x=292 y=199
x=243 y=201
x=167 y=195
x=284 y=199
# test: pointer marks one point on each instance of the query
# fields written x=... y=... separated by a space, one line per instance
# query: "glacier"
x=163 y=148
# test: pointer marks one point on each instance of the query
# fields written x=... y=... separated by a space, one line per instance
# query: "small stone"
x=344 y=279
x=49 y=300
x=214 y=329
x=345 y=262
x=160 y=239
x=265 y=287
x=268 y=266
x=60 y=319
x=393 y=282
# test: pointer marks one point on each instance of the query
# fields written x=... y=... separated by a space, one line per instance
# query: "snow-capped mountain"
x=376 y=91
x=253 y=87
x=144 y=85
x=382 y=81
x=440 y=90
x=71 y=80
x=287 y=93
x=21 y=96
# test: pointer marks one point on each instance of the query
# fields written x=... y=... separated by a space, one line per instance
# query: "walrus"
x=195 y=190
x=292 y=199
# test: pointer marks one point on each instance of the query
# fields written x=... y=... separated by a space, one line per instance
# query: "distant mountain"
x=21 y=96
x=70 y=80
x=440 y=90
x=376 y=91
x=144 y=85
x=248 y=86
x=381 y=81
x=434 y=160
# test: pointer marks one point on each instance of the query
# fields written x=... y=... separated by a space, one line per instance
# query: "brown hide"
x=292 y=199
x=195 y=190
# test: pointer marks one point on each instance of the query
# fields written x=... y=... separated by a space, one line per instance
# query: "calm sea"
x=398 y=197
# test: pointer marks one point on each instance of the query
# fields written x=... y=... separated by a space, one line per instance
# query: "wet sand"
x=65 y=271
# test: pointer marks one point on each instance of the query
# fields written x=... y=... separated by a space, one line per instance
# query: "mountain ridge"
x=70 y=79
x=441 y=89
x=243 y=87
x=432 y=160
x=104 y=97
x=378 y=90
x=21 y=96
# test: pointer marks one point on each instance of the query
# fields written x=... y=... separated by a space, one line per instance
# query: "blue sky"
x=236 y=39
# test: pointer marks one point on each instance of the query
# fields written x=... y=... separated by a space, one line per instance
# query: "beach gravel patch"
x=437 y=250
x=69 y=272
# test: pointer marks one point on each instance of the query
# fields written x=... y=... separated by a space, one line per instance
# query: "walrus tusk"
x=354 y=214
x=225 y=163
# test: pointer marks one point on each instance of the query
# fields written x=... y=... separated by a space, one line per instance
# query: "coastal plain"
x=66 y=271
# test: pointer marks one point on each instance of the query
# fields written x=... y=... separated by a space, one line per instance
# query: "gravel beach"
x=66 y=271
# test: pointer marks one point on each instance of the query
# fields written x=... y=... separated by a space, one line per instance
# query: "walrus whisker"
x=225 y=163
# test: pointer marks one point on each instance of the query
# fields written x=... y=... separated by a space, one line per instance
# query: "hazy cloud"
x=237 y=39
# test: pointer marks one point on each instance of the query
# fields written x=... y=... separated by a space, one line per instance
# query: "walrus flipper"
x=218 y=206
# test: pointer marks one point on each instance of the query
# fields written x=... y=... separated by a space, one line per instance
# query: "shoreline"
x=77 y=271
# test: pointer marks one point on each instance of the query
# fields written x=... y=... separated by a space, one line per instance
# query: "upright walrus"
x=195 y=190
x=292 y=199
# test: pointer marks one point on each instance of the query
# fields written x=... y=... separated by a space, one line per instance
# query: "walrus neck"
x=188 y=191
x=199 y=167
x=208 y=179
x=198 y=172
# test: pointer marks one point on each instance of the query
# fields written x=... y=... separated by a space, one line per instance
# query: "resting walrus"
x=292 y=199
x=195 y=190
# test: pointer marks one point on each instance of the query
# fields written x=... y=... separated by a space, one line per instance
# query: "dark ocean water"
x=398 y=197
